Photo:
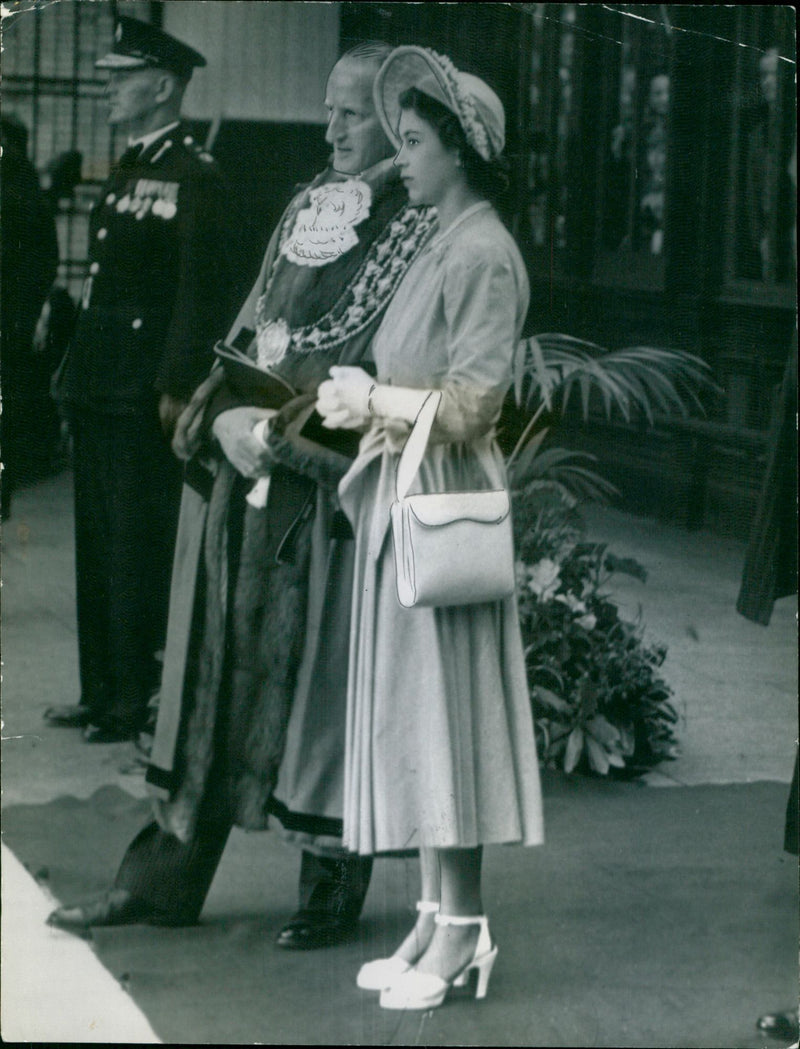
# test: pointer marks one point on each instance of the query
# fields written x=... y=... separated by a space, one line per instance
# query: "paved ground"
x=735 y=683
x=82 y=1000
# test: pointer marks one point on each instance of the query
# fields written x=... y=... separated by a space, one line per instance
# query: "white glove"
x=246 y=451
x=343 y=400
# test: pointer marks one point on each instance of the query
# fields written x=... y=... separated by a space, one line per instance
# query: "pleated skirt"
x=440 y=747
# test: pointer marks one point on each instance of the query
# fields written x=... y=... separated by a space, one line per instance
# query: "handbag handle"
x=416 y=443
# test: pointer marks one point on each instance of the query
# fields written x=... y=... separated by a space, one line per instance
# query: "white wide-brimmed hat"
x=480 y=112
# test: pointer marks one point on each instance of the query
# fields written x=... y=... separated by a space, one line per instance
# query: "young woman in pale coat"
x=440 y=743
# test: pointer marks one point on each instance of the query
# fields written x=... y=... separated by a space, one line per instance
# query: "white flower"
x=588 y=622
x=573 y=603
x=521 y=574
x=544 y=579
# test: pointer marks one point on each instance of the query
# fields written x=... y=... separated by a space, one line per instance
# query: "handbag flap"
x=435 y=508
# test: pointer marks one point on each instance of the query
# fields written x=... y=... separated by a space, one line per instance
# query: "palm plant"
x=598 y=700
x=553 y=370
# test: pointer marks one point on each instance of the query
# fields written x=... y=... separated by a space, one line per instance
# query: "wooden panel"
x=691 y=479
x=262 y=163
x=266 y=61
x=761 y=214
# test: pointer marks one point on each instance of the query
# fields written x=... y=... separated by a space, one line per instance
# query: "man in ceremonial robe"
x=253 y=697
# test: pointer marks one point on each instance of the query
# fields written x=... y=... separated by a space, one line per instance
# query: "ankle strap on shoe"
x=460 y=919
x=428 y=906
x=484 y=944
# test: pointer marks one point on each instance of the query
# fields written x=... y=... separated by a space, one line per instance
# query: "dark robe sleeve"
x=202 y=307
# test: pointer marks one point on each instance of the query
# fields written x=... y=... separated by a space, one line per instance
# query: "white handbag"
x=450 y=548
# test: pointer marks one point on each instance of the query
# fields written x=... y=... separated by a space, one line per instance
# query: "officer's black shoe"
x=310 y=930
x=779 y=1025
x=75 y=716
x=115 y=907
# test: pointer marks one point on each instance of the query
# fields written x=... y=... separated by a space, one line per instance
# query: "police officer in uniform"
x=154 y=301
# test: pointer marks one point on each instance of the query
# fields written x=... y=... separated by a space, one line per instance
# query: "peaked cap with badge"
x=138 y=44
x=154 y=297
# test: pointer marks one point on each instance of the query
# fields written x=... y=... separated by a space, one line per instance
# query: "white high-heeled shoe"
x=415 y=990
x=380 y=973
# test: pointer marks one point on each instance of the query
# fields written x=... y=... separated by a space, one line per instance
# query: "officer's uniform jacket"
x=154 y=299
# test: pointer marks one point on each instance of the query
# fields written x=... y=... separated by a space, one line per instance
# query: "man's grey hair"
x=376 y=51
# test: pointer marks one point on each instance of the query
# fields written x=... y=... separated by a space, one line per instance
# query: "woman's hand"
x=343 y=400
x=246 y=452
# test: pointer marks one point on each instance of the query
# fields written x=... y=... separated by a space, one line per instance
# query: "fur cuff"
x=298 y=441
x=188 y=436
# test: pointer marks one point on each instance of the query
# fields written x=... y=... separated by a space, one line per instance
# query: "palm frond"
x=561 y=470
x=527 y=446
x=553 y=368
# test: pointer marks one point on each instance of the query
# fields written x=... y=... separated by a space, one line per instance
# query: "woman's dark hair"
x=488 y=178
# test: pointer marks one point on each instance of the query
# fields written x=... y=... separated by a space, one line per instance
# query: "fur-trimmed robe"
x=224 y=720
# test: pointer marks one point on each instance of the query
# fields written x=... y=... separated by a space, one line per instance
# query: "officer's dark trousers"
x=127 y=495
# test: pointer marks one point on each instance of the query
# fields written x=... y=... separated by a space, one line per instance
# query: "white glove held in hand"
x=244 y=449
x=343 y=400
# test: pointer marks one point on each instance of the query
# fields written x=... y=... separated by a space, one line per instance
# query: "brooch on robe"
x=272 y=342
x=324 y=230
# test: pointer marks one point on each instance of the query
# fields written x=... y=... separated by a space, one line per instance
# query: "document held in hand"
x=260 y=387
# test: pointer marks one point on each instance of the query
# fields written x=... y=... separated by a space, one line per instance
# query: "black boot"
x=332 y=893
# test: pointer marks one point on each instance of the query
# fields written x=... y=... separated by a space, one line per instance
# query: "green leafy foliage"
x=553 y=370
x=598 y=700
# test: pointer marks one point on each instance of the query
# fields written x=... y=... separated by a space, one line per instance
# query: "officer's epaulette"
x=198 y=151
